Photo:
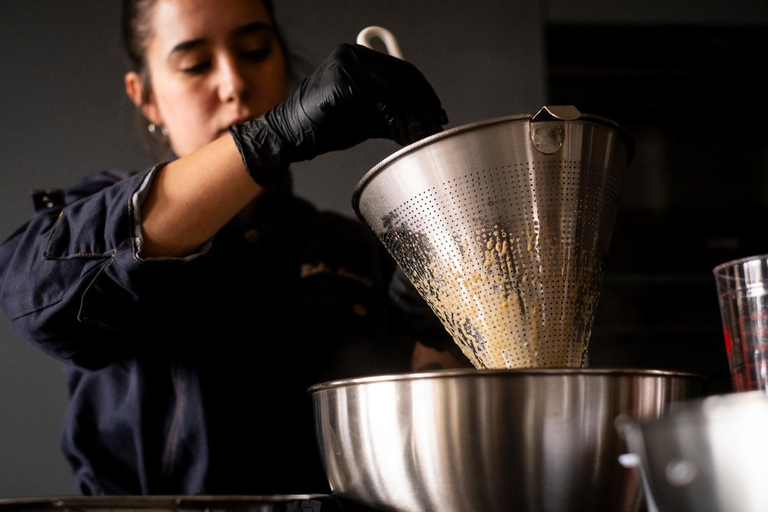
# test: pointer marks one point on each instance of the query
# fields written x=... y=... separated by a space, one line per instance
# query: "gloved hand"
x=355 y=95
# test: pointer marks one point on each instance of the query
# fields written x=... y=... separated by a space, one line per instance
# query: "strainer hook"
x=547 y=127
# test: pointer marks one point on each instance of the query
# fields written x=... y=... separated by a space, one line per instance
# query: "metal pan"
x=705 y=456
x=272 y=503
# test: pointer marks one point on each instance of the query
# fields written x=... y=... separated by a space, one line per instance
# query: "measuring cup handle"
x=365 y=37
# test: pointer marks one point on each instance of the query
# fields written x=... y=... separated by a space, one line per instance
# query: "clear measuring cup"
x=742 y=287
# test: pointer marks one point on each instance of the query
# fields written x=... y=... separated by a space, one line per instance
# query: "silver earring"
x=157 y=130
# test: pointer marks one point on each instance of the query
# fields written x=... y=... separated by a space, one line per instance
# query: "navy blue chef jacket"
x=190 y=376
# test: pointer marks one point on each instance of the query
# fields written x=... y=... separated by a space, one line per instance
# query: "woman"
x=194 y=303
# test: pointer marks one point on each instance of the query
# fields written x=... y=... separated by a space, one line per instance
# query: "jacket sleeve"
x=69 y=278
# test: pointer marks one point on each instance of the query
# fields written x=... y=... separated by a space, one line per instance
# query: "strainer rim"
x=375 y=170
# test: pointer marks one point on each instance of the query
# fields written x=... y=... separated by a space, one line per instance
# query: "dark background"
x=682 y=77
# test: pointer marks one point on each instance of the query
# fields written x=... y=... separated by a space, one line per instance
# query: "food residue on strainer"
x=509 y=299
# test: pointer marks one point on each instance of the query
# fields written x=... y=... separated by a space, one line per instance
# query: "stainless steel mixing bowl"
x=709 y=455
x=489 y=440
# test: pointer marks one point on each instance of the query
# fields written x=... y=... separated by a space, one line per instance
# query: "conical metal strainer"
x=502 y=226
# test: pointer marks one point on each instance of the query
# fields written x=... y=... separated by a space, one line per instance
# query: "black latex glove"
x=355 y=95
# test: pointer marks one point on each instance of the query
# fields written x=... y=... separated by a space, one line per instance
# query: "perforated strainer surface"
x=505 y=243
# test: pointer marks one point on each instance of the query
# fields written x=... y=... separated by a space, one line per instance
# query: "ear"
x=134 y=88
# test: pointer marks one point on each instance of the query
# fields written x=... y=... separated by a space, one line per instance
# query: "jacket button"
x=360 y=310
x=252 y=236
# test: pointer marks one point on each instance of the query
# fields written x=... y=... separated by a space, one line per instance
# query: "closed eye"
x=259 y=54
x=197 y=69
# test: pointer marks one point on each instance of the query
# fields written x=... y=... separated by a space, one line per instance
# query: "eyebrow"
x=250 y=28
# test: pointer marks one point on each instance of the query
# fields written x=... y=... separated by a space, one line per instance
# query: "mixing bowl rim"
x=516 y=372
x=397 y=155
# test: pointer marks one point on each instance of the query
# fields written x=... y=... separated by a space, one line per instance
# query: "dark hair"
x=135 y=30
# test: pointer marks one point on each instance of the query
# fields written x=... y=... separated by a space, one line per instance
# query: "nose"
x=232 y=82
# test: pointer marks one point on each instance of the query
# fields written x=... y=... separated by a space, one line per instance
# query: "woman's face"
x=212 y=63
